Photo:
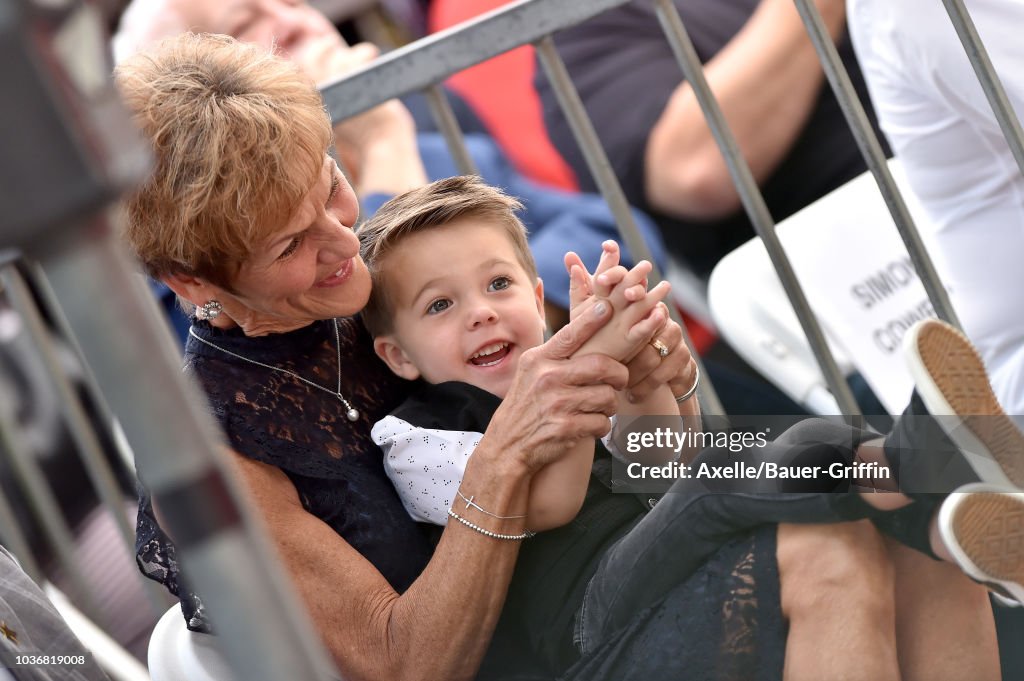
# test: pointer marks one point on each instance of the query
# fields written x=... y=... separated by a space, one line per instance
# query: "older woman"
x=249 y=221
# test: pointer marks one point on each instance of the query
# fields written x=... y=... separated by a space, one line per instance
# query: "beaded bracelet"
x=494 y=535
x=693 y=388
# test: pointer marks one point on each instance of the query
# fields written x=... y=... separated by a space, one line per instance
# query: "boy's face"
x=465 y=309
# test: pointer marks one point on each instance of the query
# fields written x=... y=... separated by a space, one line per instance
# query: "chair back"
x=859 y=281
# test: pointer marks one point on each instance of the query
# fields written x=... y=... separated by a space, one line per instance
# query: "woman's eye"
x=500 y=284
x=293 y=245
x=335 y=186
x=439 y=305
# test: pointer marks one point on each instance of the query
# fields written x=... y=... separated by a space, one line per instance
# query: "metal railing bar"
x=989 y=79
x=117 y=662
x=441 y=109
x=80 y=426
x=611 y=190
x=44 y=506
x=180 y=457
x=871 y=149
x=10 y=531
x=754 y=203
x=430 y=60
x=34 y=276
x=101 y=475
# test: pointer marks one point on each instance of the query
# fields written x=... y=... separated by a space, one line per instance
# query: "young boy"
x=456 y=302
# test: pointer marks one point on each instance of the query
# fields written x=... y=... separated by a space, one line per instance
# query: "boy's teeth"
x=490 y=350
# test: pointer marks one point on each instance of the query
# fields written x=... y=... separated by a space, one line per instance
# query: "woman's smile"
x=339 y=277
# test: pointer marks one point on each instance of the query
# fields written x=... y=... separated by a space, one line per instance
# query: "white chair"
x=856 y=274
x=177 y=654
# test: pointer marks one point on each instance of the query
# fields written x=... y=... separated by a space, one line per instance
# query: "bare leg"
x=944 y=625
x=837 y=593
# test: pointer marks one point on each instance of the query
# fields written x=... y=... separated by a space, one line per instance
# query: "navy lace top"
x=272 y=417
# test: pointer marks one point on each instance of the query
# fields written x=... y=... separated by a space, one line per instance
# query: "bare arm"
x=655 y=382
x=766 y=81
x=439 y=628
x=557 y=490
x=377 y=148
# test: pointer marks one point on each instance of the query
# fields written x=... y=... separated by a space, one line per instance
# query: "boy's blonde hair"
x=239 y=137
x=435 y=205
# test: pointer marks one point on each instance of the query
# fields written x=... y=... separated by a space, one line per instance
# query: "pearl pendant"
x=352 y=414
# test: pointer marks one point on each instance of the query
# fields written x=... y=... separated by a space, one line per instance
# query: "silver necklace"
x=351 y=413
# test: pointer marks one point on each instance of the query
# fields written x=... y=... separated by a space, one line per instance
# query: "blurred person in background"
x=942 y=129
x=764 y=73
x=30 y=627
x=960 y=168
x=768 y=81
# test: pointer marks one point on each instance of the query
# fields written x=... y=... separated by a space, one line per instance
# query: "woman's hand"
x=647 y=369
x=557 y=399
x=637 y=313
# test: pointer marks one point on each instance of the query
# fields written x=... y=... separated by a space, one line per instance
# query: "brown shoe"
x=951 y=381
x=983 y=528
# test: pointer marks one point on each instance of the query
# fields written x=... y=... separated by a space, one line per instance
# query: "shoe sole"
x=951 y=379
x=984 y=531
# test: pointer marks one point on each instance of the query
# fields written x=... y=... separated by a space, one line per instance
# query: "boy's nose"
x=482 y=314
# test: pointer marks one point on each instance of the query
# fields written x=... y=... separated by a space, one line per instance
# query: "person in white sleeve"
x=941 y=127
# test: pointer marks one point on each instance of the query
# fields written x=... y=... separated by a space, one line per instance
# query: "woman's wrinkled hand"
x=557 y=399
x=647 y=369
x=637 y=314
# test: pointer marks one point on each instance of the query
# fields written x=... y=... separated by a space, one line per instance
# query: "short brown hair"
x=434 y=205
x=239 y=138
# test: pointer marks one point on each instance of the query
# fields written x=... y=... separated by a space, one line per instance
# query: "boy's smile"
x=465 y=308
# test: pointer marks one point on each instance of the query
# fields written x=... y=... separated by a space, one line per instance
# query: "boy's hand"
x=585 y=290
x=637 y=316
x=647 y=370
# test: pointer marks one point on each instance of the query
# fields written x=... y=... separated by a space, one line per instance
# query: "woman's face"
x=308 y=270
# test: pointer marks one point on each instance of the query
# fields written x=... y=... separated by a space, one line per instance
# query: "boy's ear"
x=394 y=356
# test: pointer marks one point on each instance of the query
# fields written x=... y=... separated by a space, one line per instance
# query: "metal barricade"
x=97 y=300
x=67 y=129
x=427 y=62
x=424 y=64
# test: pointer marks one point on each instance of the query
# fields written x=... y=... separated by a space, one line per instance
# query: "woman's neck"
x=259 y=327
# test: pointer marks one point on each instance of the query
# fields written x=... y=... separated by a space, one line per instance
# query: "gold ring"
x=662 y=349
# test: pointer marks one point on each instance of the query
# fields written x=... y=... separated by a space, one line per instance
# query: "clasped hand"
x=567 y=388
